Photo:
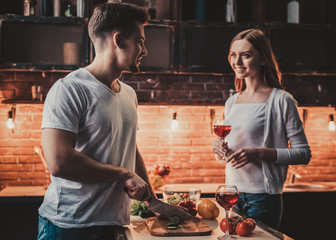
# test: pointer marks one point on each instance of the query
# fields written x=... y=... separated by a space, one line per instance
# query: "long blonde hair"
x=271 y=73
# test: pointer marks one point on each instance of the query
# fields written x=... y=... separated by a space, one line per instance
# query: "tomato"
x=186 y=195
x=192 y=211
x=223 y=225
x=253 y=222
x=162 y=169
x=245 y=227
x=187 y=204
x=190 y=205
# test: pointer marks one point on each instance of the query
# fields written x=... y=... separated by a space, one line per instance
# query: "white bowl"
x=176 y=194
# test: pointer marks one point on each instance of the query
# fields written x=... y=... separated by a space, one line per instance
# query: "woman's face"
x=245 y=61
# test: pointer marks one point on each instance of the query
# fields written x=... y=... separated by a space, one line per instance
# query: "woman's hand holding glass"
x=220 y=149
x=221 y=128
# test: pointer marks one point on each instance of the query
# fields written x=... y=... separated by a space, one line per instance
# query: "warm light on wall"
x=174 y=123
x=212 y=118
x=11 y=118
x=331 y=125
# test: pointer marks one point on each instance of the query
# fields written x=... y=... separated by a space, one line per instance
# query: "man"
x=89 y=134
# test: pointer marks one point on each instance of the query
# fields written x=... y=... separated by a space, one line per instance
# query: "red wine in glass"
x=227 y=200
x=222 y=130
x=226 y=196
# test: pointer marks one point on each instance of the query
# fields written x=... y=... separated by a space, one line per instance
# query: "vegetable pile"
x=157 y=174
x=141 y=209
x=176 y=198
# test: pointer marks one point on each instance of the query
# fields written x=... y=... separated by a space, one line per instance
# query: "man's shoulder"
x=77 y=78
x=127 y=87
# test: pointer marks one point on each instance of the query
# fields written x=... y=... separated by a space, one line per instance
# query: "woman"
x=264 y=121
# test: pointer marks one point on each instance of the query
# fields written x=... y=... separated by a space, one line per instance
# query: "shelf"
x=38 y=67
x=21 y=101
x=43 y=19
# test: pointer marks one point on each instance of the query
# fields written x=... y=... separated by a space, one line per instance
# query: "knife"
x=168 y=210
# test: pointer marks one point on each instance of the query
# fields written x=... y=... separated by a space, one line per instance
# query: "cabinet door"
x=304 y=48
x=205 y=47
x=162 y=48
x=33 y=42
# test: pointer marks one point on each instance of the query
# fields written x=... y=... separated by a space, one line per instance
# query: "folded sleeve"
x=62 y=108
x=299 y=150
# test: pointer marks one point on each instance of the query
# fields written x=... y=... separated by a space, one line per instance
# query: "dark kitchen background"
x=186 y=72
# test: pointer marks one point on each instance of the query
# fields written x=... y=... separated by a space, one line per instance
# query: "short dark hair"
x=108 y=17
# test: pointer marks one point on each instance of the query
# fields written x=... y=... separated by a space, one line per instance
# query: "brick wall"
x=187 y=149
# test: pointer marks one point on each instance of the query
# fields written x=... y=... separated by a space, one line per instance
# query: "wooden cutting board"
x=158 y=227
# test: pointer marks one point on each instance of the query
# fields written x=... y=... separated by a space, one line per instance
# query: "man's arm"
x=65 y=162
x=141 y=170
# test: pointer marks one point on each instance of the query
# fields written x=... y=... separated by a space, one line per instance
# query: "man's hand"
x=137 y=188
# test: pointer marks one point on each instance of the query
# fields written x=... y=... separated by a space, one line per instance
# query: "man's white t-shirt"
x=105 y=123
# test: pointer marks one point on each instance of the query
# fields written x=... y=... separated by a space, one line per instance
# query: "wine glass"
x=226 y=196
x=222 y=128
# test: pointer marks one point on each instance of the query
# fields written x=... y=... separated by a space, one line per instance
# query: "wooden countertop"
x=207 y=189
x=137 y=230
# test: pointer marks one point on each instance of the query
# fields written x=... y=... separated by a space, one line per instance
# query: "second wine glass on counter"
x=222 y=128
x=226 y=196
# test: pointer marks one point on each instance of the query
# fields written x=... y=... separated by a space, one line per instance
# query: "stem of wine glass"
x=224 y=157
x=227 y=233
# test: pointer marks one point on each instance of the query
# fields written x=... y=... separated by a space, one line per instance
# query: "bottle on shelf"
x=69 y=11
x=57 y=8
x=80 y=8
x=231 y=11
x=293 y=10
x=46 y=9
x=29 y=7
x=150 y=5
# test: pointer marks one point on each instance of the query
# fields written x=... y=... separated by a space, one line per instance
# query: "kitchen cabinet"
x=37 y=42
x=204 y=47
x=188 y=46
x=185 y=44
x=304 y=48
x=309 y=215
x=19 y=217
x=261 y=11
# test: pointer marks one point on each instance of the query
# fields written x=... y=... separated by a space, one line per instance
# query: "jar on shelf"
x=293 y=12
x=69 y=11
x=57 y=8
x=81 y=8
x=231 y=11
x=29 y=7
x=150 y=5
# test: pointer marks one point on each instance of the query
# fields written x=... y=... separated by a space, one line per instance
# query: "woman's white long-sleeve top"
x=284 y=132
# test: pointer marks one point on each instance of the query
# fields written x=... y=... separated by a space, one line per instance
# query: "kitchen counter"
x=207 y=190
x=137 y=230
x=300 y=208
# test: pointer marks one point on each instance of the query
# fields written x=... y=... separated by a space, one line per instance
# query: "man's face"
x=134 y=50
